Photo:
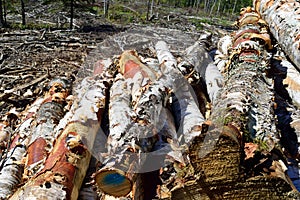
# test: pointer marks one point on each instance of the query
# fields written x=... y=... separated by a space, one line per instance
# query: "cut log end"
x=113 y=182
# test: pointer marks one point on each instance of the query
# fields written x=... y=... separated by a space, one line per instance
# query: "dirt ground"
x=30 y=58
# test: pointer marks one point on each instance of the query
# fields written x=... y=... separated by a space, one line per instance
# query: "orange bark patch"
x=130 y=64
x=132 y=68
x=57 y=167
x=250 y=149
x=14 y=142
x=66 y=171
x=293 y=85
x=269 y=3
x=256 y=5
x=37 y=151
x=98 y=67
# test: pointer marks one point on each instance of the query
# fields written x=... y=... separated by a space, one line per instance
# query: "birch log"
x=188 y=117
x=12 y=170
x=292 y=81
x=47 y=117
x=242 y=113
x=203 y=75
x=113 y=181
x=11 y=166
x=287 y=88
x=134 y=126
x=65 y=167
x=283 y=19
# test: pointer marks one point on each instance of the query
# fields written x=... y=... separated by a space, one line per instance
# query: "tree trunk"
x=283 y=20
x=106 y=7
x=148 y=10
x=234 y=6
x=4 y=4
x=212 y=7
x=242 y=140
x=64 y=169
x=72 y=14
x=2 y=22
x=23 y=13
x=41 y=120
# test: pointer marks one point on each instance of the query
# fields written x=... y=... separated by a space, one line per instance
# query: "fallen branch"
x=8 y=93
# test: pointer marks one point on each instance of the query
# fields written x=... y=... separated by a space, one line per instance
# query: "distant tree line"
x=207 y=6
x=212 y=6
x=6 y=5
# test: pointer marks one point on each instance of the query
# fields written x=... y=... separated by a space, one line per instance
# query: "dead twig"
x=8 y=93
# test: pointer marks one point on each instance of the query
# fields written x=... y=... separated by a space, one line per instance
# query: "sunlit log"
x=282 y=17
x=12 y=164
x=64 y=169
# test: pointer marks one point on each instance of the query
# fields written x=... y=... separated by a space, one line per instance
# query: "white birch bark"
x=199 y=60
x=188 y=117
x=283 y=20
x=65 y=167
x=11 y=166
x=12 y=170
x=292 y=81
x=287 y=87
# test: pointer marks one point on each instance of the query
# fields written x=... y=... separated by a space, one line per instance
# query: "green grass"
x=35 y=26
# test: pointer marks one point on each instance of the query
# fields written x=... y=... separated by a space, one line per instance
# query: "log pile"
x=160 y=118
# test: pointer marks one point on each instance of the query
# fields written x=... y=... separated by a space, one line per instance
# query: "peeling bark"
x=292 y=82
x=147 y=124
x=286 y=81
x=242 y=113
x=48 y=116
x=133 y=126
x=64 y=169
x=283 y=20
x=154 y=116
x=12 y=165
x=188 y=117
x=203 y=75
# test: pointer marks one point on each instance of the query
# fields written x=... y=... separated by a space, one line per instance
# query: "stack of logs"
x=166 y=127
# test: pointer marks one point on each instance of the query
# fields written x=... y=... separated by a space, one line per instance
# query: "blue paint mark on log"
x=113 y=179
